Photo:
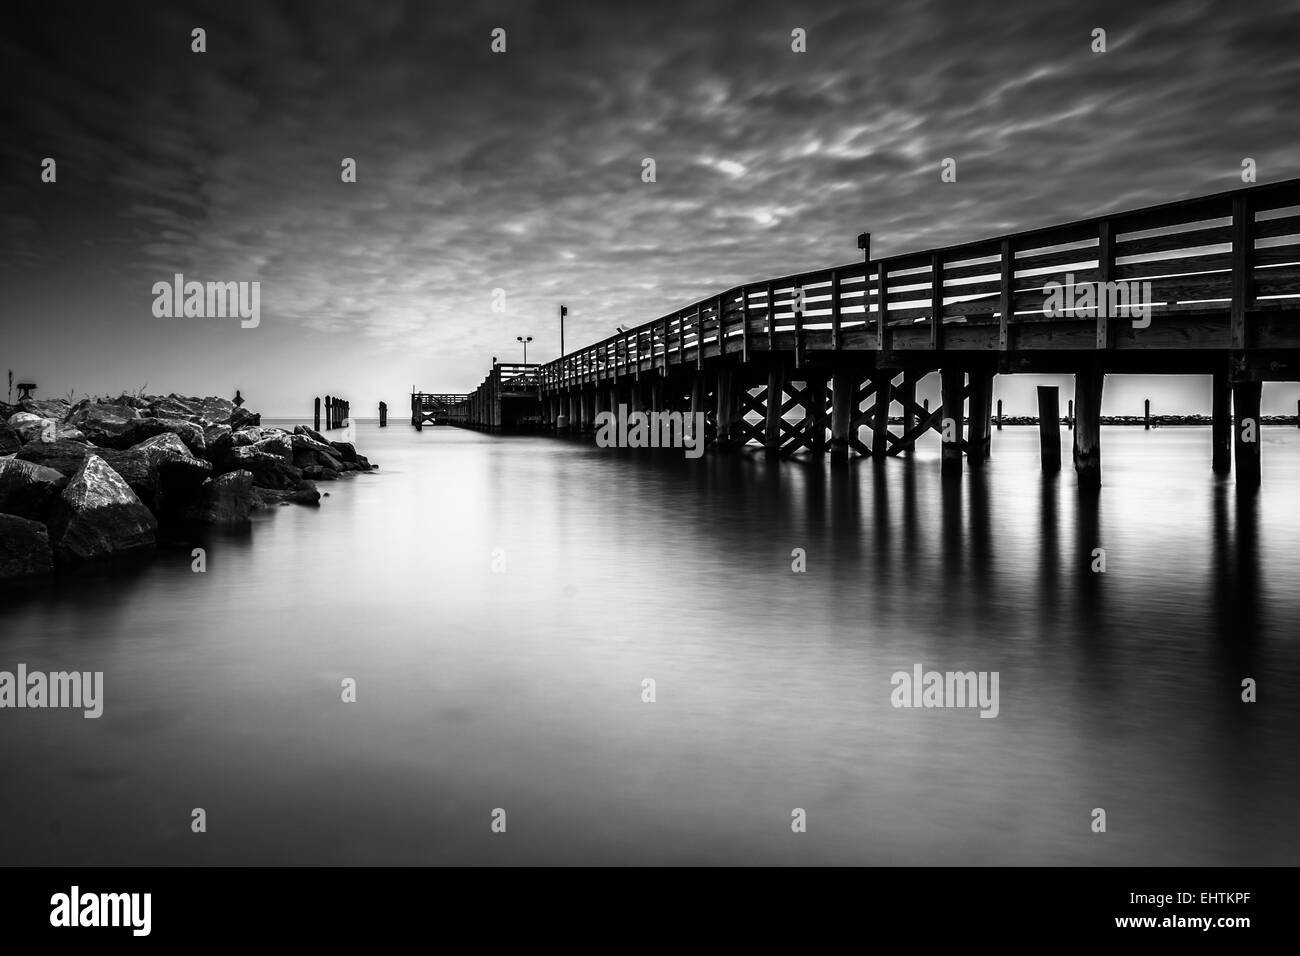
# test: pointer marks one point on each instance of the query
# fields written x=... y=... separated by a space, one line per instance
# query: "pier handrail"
x=1199 y=254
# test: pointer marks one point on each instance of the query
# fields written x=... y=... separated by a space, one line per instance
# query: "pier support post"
x=316 y=416
x=880 y=418
x=698 y=393
x=1069 y=416
x=844 y=387
x=980 y=441
x=1087 y=426
x=726 y=410
x=999 y=414
x=775 y=399
x=953 y=382
x=1221 y=423
x=907 y=396
x=1246 y=428
x=1049 y=428
x=816 y=411
x=1146 y=415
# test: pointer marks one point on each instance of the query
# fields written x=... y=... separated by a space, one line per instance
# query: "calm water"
x=522 y=690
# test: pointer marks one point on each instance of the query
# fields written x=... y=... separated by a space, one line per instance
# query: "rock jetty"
x=91 y=480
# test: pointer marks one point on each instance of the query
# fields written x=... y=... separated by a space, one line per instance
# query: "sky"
x=521 y=170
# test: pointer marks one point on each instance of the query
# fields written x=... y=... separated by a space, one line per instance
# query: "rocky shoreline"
x=99 y=478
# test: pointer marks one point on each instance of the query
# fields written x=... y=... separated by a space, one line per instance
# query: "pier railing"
x=1236 y=252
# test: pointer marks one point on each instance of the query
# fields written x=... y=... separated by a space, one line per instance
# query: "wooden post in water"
x=1069 y=416
x=880 y=420
x=1049 y=428
x=1246 y=432
x=316 y=414
x=329 y=412
x=952 y=381
x=980 y=440
x=907 y=398
x=1146 y=415
x=1087 y=427
x=775 y=399
x=843 y=387
x=999 y=414
x=383 y=414
x=817 y=382
x=725 y=413
x=697 y=399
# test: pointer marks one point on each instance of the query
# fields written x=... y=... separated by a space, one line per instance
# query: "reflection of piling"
x=1049 y=428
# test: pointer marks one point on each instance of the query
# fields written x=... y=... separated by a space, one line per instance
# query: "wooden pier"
x=846 y=346
x=441 y=409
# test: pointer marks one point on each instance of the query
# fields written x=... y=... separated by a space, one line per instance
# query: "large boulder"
x=225 y=500
x=52 y=408
x=64 y=456
x=277 y=444
x=308 y=452
x=114 y=426
x=345 y=450
x=98 y=515
x=175 y=474
x=269 y=471
x=30 y=427
x=310 y=433
x=192 y=434
x=68 y=457
x=28 y=490
x=213 y=432
x=24 y=548
x=302 y=493
x=9 y=440
x=242 y=418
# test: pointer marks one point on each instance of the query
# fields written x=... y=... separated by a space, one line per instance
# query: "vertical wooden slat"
x=722 y=328
x=1105 y=273
x=936 y=300
x=835 y=310
x=1243 y=233
x=882 y=308
x=771 y=319
x=744 y=324
x=1006 y=297
x=798 y=325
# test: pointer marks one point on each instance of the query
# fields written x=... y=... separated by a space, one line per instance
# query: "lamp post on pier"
x=525 y=339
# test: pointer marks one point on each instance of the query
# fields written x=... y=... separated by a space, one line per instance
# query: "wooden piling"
x=383 y=414
x=817 y=383
x=316 y=415
x=999 y=414
x=775 y=399
x=1088 y=385
x=1221 y=423
x=725 y=413
x=844 y=387
x=1069 y=416
x=1246 y=432
x=880 y=416
x=952 y=382
x=1049 y=428
x=697 y=400
x=907 y=398
x=1146 y=415
x=980 y=440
